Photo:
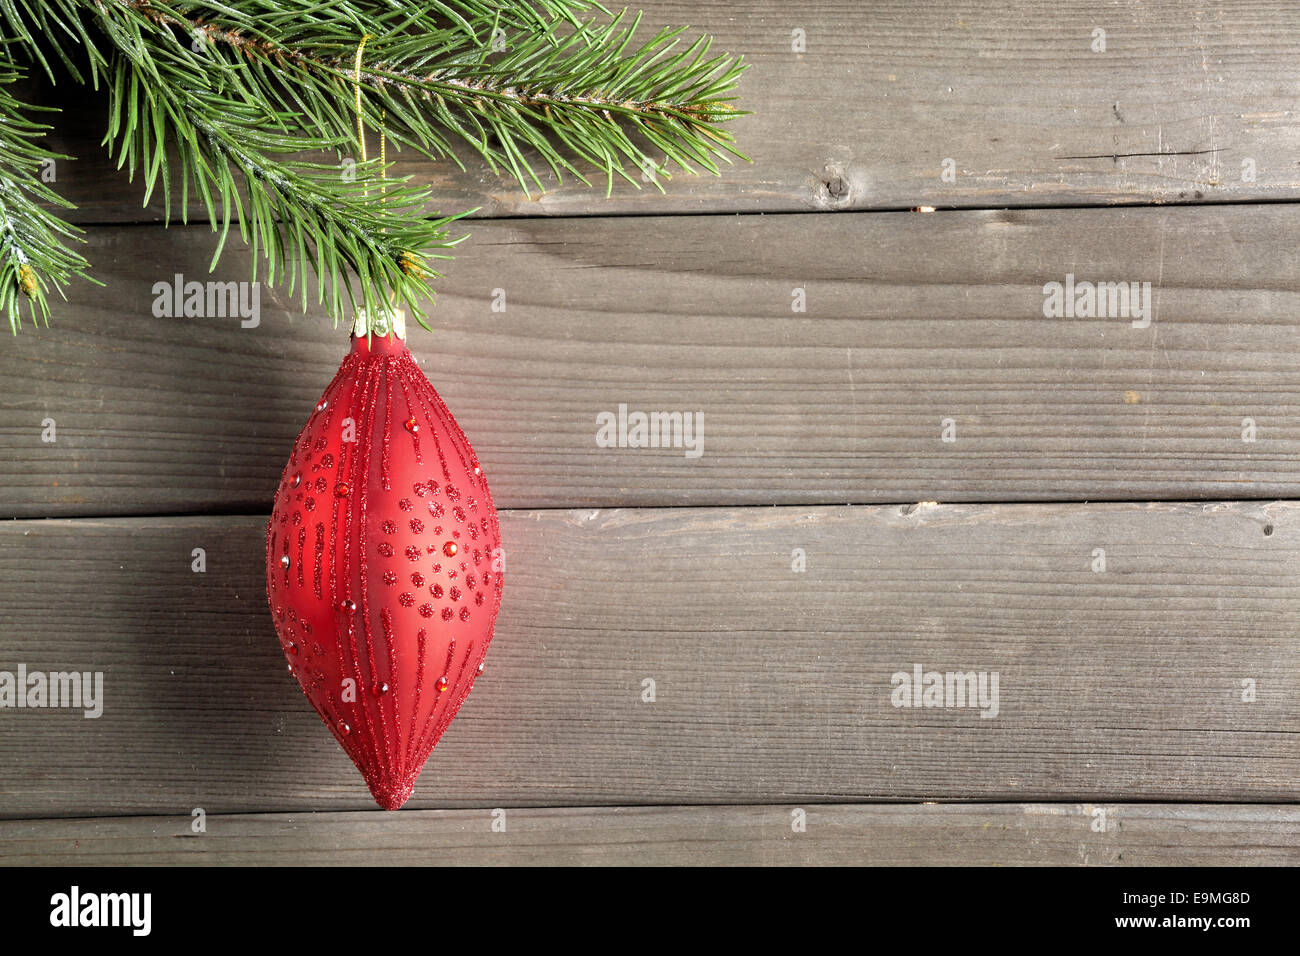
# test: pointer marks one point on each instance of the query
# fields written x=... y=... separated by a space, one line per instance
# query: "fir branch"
x=570 y=92
x=236 y=90
x=291 y=212
x=583 y=88
x=516 y=92
x=35 y=255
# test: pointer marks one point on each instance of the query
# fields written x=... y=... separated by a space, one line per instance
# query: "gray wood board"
x=771 y=685
x=1029 y=834
x=910 y=319
x=1183 y=104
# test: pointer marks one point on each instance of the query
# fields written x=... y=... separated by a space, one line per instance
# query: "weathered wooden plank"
x=834 y=835
x=1182 y=105
x=910 y=320
x=771 y=685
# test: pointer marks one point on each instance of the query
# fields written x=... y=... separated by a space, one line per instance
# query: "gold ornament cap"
x=384 y=322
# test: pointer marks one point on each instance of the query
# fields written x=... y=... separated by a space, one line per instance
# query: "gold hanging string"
x=356 y=86
x=361 y=129
x=360 y=125
x=361 y=135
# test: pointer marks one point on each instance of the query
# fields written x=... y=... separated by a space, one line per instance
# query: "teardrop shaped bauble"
x=383 y=564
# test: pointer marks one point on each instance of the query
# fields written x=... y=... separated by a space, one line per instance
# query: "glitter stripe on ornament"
x=369 y=410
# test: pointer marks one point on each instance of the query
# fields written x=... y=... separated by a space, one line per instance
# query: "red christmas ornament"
x=383 y=564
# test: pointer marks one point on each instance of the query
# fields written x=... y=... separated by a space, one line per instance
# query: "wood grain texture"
x=835 y=835
x=1010 y=91
x=911 y=319
x=770 y=685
